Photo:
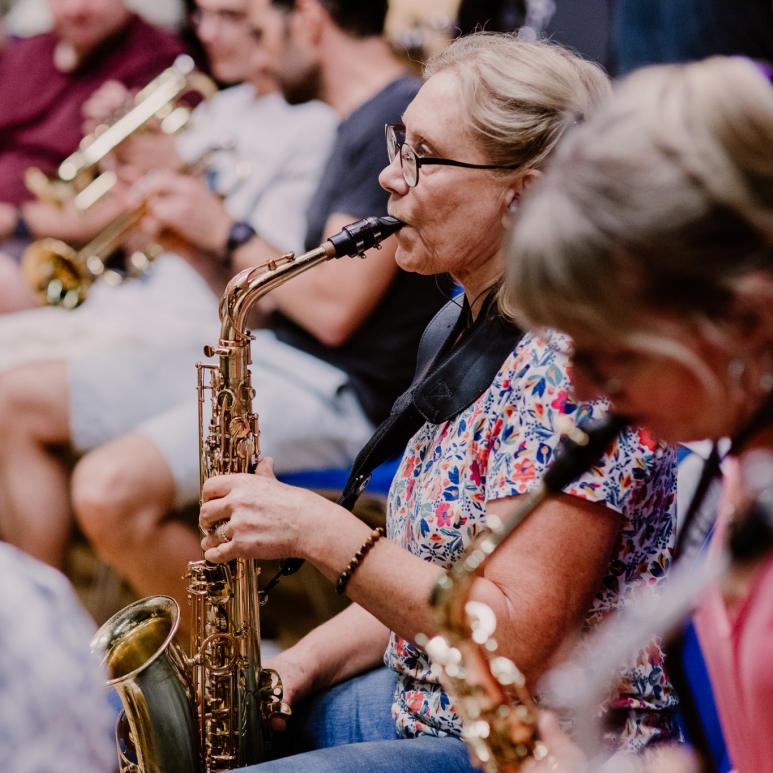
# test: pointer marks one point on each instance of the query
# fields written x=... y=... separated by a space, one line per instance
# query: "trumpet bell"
x=52 y=269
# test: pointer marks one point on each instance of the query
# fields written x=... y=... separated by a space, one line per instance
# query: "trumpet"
x=60 y=275
x=490 y=693
x=78 y=173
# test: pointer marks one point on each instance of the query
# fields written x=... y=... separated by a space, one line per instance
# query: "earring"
x=511 y=210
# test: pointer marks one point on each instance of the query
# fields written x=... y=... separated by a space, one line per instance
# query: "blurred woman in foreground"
x=650 y=242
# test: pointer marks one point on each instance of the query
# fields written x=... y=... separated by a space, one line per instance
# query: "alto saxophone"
x=489 y=692
x=212 y=711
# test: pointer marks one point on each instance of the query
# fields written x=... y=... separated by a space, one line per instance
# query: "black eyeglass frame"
x=395 y=147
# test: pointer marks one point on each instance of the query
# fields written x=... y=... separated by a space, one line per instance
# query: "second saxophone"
x=488 y=690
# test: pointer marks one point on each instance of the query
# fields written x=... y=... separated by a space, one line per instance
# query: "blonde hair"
x=520 y=96
x=664 y=201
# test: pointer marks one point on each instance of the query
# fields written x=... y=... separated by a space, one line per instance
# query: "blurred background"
x=620 y=34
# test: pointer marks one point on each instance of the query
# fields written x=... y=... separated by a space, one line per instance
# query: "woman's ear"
x=529 y=179
x=513 y=194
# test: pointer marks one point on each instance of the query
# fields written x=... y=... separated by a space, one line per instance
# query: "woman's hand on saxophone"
x=256 y=516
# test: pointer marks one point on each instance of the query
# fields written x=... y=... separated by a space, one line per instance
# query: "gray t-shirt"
x=380 y=357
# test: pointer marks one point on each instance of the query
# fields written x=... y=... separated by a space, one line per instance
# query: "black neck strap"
x=456 y=364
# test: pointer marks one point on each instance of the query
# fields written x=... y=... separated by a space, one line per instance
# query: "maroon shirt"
x=40 y=108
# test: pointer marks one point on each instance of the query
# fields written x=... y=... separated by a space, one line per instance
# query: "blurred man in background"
x=45 y=80
x=339 y=343
x=138 y=339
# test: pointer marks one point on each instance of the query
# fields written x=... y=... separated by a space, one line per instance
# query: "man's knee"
x=120 y=492
x=34 y=401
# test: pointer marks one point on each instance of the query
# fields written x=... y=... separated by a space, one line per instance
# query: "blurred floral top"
x=499 y=447
x=54 y=714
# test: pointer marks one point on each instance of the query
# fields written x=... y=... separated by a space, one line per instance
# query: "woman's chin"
x=408 y=260
x=673 y=431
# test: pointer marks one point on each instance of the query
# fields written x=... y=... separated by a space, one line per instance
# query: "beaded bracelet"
x=347 y=573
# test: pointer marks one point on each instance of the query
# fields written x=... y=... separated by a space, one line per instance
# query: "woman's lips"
x=406 y=224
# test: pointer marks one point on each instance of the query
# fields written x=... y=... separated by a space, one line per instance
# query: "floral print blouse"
x=500 y=447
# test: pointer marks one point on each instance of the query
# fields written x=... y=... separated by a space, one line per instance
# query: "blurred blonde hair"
x=663 y=202
x=520 y=96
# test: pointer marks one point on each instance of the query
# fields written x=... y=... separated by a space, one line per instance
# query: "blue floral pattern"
x=500 y=447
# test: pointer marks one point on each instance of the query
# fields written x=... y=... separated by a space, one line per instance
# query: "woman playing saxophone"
x=475 y=138
x=660 y=211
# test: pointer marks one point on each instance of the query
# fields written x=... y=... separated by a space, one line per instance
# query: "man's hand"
x=146 y=149
x=185 y=206
x=110 y=97
x=71 y=224
x=8 y=217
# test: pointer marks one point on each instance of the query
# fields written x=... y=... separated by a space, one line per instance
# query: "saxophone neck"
x=249 y=286
x=252 y=284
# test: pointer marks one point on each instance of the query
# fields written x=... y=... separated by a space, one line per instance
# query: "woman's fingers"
x=218 y=487
x=224 y=552
x=213 y=512
x=563 y=755
x=265 y=468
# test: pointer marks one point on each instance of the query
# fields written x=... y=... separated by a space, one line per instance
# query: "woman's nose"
x=391 y=178
x=585 y=388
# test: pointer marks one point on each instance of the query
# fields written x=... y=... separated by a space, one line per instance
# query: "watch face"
x=239 y=234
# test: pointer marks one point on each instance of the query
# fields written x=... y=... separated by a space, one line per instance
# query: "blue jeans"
x=349 y=729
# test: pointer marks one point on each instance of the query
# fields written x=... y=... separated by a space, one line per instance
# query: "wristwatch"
x=20 y=229
x=238 y=234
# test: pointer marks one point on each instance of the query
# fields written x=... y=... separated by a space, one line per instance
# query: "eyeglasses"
x=411 y=162
x=610 y=371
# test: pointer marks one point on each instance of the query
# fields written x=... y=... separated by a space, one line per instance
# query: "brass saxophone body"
x=489 y=692
x=211 y=711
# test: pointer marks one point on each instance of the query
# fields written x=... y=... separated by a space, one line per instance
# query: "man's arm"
x=332 y=300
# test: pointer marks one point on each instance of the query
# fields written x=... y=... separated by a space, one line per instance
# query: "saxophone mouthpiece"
x=363 y=235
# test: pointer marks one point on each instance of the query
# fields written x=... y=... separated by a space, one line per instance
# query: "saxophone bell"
x=157 y=729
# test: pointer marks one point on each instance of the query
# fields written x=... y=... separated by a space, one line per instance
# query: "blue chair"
x=379 y=484
x=701 y=700
x=698 y=718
